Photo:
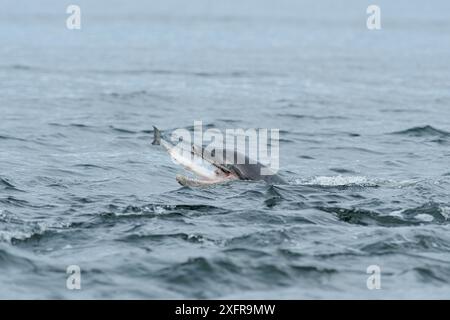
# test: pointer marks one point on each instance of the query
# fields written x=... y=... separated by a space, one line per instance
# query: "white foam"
x=397 y=213
x=158 y=209
x=335 y=181
x=445 y=211
x=361 y=181
x=424 y=217
x=26 y=231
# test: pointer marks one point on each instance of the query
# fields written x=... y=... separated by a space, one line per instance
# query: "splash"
x=338 y=181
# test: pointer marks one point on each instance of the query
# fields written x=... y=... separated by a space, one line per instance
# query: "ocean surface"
x=364 y=119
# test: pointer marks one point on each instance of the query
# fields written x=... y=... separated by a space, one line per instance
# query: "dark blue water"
x=365 y=145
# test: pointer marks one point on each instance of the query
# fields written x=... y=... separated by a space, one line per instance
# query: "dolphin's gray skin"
x=219 y=171
x=249 y=170
x=253 y=172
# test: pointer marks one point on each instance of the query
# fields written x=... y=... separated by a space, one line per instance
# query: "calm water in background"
x=365 y=143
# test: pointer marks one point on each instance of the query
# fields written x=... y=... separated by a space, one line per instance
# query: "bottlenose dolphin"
x=213 y=170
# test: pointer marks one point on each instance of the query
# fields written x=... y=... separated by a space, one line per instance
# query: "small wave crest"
x=428 y=213
x=352 y=181
x=339 y=181
x=425 y=131
x=154 y=209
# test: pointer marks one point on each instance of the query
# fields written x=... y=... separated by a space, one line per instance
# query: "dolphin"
x=212 y=169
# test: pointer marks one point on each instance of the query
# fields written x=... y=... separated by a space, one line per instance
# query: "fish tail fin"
x=156 y=136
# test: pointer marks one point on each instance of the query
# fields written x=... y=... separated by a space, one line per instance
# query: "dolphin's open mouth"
x=186 y=181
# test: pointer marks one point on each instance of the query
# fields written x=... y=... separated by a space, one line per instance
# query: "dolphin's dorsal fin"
x=156 y=136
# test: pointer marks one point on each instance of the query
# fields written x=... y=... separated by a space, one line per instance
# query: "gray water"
x=365 y=145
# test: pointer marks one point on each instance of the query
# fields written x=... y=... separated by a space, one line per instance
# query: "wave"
x=16 y=67
x=312 y=117
x=3 y=137
x=91 y=166
x=163 y=237
x=203 y=277
x=15 y=202
x=406 y=241
x=425 y=131
x=429 y=213
x=192 y=73
x=352 y=181
x=74 y=125
x=358 y=150
x=122 y=130
x=153 y=210
x=9 y=257
x=342 y=170
x=366 y=218
x=23 y=233
x=339 y=181
x=6 y=184
x=17 y=231
x=135 y=95
x=438 y=274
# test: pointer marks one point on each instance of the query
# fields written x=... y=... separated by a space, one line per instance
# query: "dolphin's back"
x=252 y=171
